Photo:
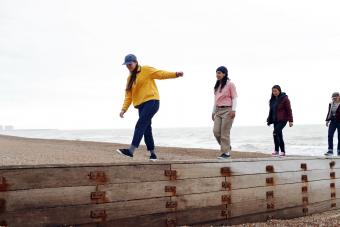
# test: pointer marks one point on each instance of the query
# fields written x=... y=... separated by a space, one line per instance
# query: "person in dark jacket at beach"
x=333 y=122
x=280 y=112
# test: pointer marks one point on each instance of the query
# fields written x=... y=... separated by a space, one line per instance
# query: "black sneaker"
x=153 y=157
x=125 y=152
x=224 y=156
x=328 y=153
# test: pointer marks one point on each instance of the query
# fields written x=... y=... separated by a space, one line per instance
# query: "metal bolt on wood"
x=226 y=185
x=171 y=204
x=170 y=222
x=98 y=176
x=304 y=189
x=225 y=171
x=332 y=175
x=304 y=178
x=270 y=169
x=172 y=174
x=270 y=181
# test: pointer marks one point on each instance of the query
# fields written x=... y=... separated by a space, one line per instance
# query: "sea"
x=299 y=139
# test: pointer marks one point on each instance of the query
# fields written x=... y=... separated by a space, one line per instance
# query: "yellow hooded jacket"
x=144 y=88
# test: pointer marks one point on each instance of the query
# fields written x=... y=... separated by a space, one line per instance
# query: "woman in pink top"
x=224 y=110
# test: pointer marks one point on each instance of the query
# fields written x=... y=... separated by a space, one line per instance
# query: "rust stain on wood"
x=172 y=174
x=98 y=176
x=332 y=164
x=305 y=200
x=171 y=204
x=226 y=185
x=270 y=181
x=226 y=213
x=304 y=189
x=171 y=189
x=171 y=222
x=99 y=214
x=270 y=169
x=304 y=166
x=304 y=178
x=226 y=172
x=269 y=194
x=270 y=206
x=226 y=199
x=332 y=175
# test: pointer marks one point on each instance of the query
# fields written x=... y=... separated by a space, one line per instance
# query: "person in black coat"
x=280 y=112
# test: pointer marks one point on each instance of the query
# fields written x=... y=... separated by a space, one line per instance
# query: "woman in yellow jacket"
x=142 y=92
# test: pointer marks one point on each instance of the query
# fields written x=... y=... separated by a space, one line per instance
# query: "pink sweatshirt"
x=226 y=96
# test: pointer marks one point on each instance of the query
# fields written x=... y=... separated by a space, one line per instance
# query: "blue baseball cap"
x=129 y=59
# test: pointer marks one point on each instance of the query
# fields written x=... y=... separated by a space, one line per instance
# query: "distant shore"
x=27 y=151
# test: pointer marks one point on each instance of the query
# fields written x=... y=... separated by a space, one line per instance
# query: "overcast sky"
x=60 y=61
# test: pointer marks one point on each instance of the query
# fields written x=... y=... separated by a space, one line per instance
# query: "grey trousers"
x=222 y=127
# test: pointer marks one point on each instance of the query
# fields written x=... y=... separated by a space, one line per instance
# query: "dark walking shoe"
x=153 y=157
x=329 y=153
x=275 y=154
x=282 y=154
x=224 y=156
x=125 y=152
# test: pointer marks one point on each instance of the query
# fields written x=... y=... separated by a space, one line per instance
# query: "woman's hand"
x=122 y=113
x=232 y=114
x=290 y=124
x=327 y=123
x=179 y=74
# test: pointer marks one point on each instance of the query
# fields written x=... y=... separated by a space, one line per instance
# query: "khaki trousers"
x=222 y=126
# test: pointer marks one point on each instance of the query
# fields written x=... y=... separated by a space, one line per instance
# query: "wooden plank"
x=211 y=216
x=81 y=195
x=287 y=213
x=287 y=195
x=198 y=170
x=170 y=219
x=80 y=176
x=47 y=198
x=69 y=196
x=75 y=215
x=259 y=180
x=166 y=162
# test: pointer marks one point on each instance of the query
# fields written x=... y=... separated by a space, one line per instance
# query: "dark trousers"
x=278 y=136
x=332 y=127
x=143 y=127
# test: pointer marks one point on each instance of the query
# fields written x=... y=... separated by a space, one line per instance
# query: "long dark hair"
x=221 y=82
x=275 y=87
x=132 y=78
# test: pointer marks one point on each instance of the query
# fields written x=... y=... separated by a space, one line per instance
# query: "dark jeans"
x=143 y=127
x=332 y=127
x=278 y=136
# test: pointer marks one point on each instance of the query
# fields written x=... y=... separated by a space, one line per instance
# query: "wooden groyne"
x=168 y=193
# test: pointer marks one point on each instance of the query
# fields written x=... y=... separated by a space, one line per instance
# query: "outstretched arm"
x=162 y=75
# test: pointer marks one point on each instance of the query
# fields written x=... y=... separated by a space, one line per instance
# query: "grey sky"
x=60 y=61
